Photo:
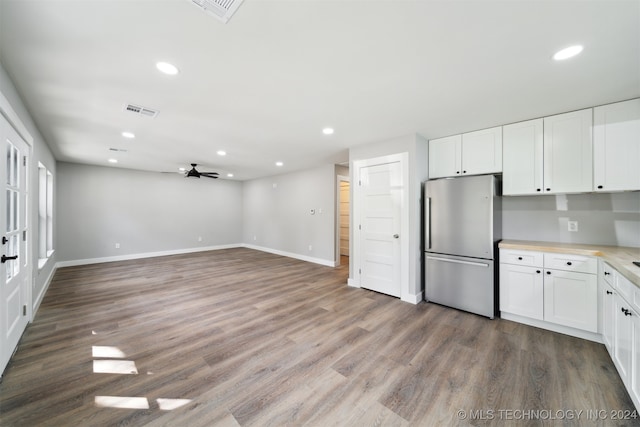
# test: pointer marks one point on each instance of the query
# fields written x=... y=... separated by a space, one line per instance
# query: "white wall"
x=145 y=212
x=277 y=214
x=40 y=153
x=416 y=147
x=603 y=219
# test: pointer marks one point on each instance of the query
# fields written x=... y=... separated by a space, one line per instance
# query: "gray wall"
x=40 y=153
x=277 y=213
x=145 y=212
x=603 y=219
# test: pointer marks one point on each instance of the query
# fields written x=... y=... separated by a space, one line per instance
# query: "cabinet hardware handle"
x=519 y=258
x=628 y=313
x=4 y=240
x=548 y=272
x=537 y=189
x=548 y=189
x=568 y=262
x=606 y=273
x=609 y=293
x=538 y=271
x=464 y=171
x=600 y=187
x=457 y=171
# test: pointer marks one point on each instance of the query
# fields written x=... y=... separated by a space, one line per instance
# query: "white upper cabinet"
x=471 y=153
x=445 y=158
x=568 y=157
x=616 y=146
x=523 y=154
x=482 y=151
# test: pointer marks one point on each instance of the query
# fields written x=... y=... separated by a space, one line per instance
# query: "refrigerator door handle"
x=427 y=223
x=455 y=261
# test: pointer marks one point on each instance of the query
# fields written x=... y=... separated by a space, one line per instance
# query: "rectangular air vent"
x=119 y=150
x=221 y=9
x=141 y=110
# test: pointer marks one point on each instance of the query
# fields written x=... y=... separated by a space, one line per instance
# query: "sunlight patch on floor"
x=114 y=367
x=122 y=402
x=107 y=351
x=171 y=404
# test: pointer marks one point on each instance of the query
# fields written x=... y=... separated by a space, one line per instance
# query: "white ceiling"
x=264 y=85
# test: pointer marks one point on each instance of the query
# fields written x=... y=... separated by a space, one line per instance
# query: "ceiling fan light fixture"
x=128 y=135
x=221 y=153
x=279 y=164
x=327 y=131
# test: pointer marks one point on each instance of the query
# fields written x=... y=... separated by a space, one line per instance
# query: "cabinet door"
x=445 y=156
x=616 y=146
x=482 y=151
x=568 y=152
x=521 y=291
x=522 y=158
x=634 y=375
x=608 y=317
x=571 y=299
x=622 y=339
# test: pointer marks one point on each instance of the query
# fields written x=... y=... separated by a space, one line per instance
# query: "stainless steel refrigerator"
x=462 y=226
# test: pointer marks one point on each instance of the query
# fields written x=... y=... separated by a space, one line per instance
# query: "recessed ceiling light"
x=567 y=52
x=230 y=175
x=222 y=153
x=129 y=135
x=113 y=160
x=279 y=163
x=167 y=68
x=327 y=131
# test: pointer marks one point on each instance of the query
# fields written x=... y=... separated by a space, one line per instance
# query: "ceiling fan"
x=195 y=174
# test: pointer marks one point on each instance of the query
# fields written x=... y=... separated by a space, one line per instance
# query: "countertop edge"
x=610 y=254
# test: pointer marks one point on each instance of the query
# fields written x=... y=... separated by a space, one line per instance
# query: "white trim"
x=320 y=261
x=591 y=336
x=355 y=257
x=74 y=263
x=411 y=298
x=38 y=301
x=11 y=116
x=353 y=283
x=87 y=261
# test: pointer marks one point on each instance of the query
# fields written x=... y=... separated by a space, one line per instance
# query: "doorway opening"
x=343 y=228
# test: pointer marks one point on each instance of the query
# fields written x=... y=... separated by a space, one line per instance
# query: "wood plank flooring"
x=244 y=338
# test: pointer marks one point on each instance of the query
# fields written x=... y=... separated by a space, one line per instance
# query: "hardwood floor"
x=244 y=338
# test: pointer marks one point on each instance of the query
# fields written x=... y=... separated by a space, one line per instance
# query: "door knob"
x=395 y=236
x=7 y=258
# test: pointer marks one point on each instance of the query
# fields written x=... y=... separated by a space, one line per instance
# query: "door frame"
x=341 y=178
x=355 y=258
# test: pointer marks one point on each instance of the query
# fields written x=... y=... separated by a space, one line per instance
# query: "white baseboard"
x=43 y=291
x=328 y=263
x=351 y=282
x=74 y=263
x=77 y=262
x=412 y=299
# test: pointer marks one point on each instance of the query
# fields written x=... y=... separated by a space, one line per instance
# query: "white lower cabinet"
x=556 y=289
x=621 y=329
x=571 y=299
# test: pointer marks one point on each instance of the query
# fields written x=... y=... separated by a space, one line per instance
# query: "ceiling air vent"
x=141 y=110
x=221 y=9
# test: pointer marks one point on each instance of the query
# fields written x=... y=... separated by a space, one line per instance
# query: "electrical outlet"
x=572 y=225
x=310 y=247
x=255 y=237
x=117 y=245
x=199 y=238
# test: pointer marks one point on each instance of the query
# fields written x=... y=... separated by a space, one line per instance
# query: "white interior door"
x=15 y=272
x=381 y=191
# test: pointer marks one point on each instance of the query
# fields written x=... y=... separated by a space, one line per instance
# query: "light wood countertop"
x=620 y=258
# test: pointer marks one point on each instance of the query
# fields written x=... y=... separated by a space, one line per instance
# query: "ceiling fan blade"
x=210 y=176
x=209 y=173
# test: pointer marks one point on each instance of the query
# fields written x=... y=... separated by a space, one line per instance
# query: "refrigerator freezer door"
x=459 y=216
x=462 y=283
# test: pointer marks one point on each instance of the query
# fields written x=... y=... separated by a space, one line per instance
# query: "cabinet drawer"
x=529 y=258
x=635 y=294
x=609 y=274
x=625 y=287
x=575 y=263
